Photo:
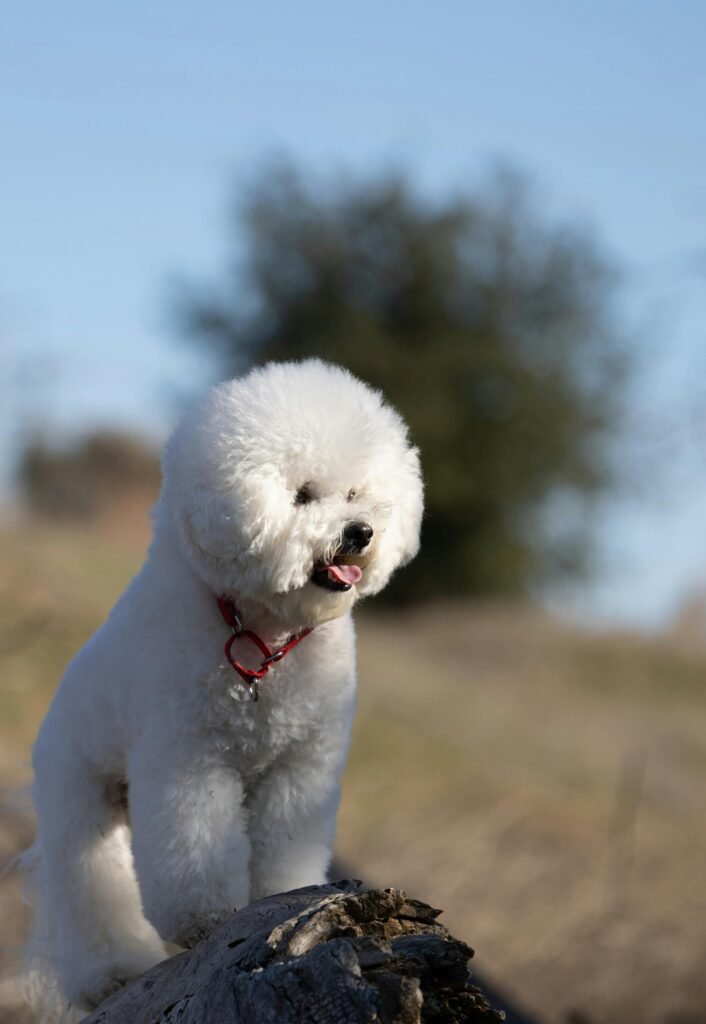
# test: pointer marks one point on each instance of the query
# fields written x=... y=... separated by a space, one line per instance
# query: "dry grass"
x=544 y=785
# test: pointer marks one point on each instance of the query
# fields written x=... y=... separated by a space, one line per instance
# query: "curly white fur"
x=229 y=800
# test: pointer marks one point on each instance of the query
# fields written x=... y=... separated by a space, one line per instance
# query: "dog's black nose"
x=356 y=537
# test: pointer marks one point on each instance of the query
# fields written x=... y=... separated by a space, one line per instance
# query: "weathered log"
x=328 y=954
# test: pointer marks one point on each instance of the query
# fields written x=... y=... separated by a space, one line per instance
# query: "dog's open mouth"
x=340 y=574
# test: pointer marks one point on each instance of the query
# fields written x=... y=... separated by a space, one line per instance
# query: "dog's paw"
x=94 y=982
x=200 y=926
x=98 y=990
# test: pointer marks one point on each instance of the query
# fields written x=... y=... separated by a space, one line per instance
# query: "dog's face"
x=295 y=486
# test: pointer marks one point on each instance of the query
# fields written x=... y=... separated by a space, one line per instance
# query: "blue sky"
x=122 y=126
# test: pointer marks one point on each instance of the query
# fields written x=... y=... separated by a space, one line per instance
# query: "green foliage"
x=488 y=328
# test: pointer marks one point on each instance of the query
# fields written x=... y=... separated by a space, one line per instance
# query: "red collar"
x=252 y=676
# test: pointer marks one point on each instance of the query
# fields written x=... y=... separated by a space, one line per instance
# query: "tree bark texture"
x=327 y=954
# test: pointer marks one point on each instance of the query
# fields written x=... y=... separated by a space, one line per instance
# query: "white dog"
x=166 y=794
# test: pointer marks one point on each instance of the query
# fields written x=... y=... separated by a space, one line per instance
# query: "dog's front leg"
x=190 y=844
x=292 y=816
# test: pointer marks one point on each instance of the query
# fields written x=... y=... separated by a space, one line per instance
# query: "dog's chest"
x=254 y=734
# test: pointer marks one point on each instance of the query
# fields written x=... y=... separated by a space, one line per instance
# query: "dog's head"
x=297 y=487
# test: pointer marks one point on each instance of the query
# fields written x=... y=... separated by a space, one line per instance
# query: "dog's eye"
x=351 y=494
x=304 y=495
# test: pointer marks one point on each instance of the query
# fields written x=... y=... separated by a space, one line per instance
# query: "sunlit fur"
x=229 y=800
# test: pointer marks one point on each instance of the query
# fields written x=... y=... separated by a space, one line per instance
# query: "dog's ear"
x=219 y=526
x=408 y=507
x=189 y=532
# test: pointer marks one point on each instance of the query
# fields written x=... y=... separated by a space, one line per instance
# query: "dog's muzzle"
x=346 y=568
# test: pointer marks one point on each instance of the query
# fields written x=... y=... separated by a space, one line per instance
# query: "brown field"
x=544 y=785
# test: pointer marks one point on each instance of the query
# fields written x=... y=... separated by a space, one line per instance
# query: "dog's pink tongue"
x=344 y=573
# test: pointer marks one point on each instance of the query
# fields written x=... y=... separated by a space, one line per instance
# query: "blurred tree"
x=489 y=329
x=85 y=479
